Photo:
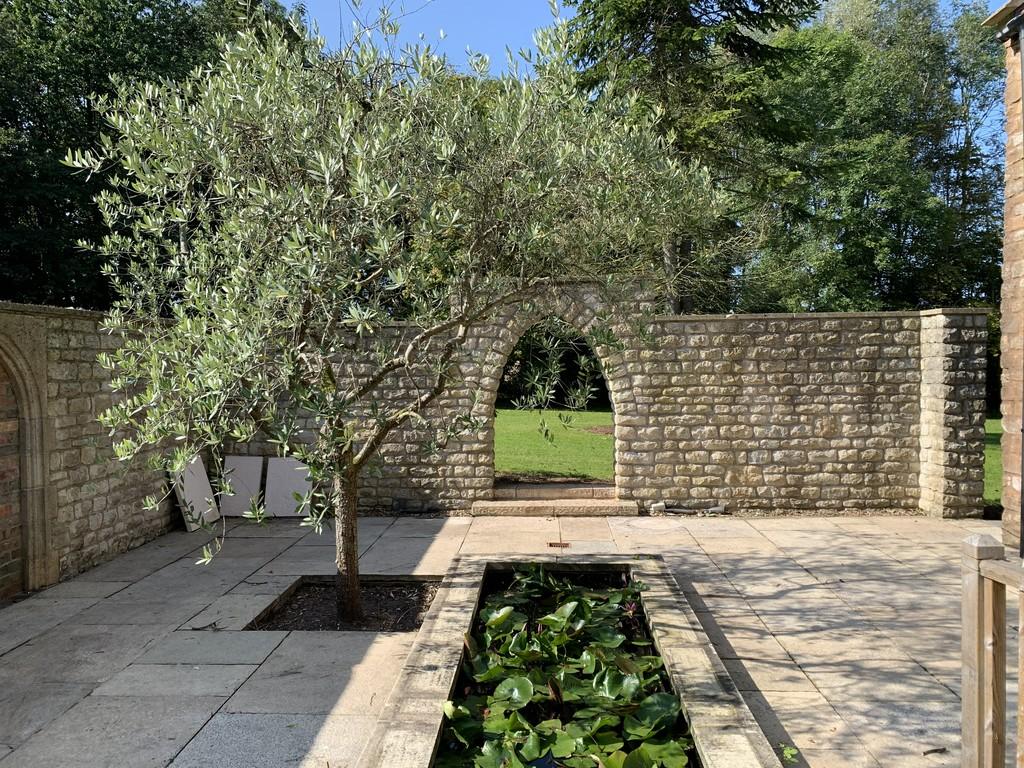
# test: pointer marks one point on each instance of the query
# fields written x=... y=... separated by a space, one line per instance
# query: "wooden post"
x=1020 y=667
x=994 y=691
x=977 y=712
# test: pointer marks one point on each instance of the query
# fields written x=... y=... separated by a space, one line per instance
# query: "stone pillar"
x=1012 y=303
x=952 y=432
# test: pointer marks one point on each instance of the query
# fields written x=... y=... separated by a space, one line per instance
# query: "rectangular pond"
x=410 y=729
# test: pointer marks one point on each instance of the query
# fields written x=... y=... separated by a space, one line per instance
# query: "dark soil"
x=396 y=606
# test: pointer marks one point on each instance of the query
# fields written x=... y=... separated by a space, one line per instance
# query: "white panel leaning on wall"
x=285 y=479
x=195 y=495
x=245 y=476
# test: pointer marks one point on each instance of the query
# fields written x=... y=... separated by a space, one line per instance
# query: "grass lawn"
x=520 y=449
x=993 y=461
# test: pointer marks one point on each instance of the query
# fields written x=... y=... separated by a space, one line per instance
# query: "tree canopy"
x=899 y=205
x=55 y=55
x=855 y=158
x=270 y=220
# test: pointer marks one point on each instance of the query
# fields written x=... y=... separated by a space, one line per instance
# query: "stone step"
x=554 y=508
x=507 y=491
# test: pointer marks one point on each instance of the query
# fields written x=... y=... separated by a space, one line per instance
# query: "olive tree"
x=273 y=217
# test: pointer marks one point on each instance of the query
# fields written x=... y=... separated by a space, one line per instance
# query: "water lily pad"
x=516 y=691
x=496 y=618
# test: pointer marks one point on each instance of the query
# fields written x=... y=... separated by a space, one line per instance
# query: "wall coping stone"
x=46 y=309
x=827 y=315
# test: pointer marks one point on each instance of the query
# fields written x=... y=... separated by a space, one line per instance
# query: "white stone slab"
x=195 y=495
x=244 y=473
x=286 y=477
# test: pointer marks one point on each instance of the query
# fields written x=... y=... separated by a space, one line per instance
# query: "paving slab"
x=285 y=529
x=126 y=610
x=369 y=529
x=232 y=611
x=843 y=632
x=512 y=542
x=498 y=526
x=122 y=731
x=27 y=705
x=805 y=720
x=827 y=758
x=410 y=555
x=874 y=680
x=197 y=647
x=24 y=620
x=849 y=644
x=302 y=561
x=275 y=740
x=430 y=527
x=82 y=588
x=265 y=547
x=147 y=559
x=906 y=733
x=585 y=528
x=177 y=680
x=185 y=579
x=768 y=675
x=80 y=653
x=331 y=673
x=264 y=585
x=591 y=547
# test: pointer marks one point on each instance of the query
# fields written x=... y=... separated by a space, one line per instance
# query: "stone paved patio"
x=843 y=634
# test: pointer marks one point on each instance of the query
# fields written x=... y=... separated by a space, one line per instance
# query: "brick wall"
x=1012 y=304
x=11 y=581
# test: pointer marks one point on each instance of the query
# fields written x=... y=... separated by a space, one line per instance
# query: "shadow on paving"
x=842 y=635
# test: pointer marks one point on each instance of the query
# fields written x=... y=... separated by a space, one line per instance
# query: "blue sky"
x=486 y=26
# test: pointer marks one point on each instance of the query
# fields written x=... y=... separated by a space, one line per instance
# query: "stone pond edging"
x=724 y=730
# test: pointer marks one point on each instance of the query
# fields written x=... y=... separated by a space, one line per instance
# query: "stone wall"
x=952 y=407
x=78 y=505
x=99 y=499
x=826 y=413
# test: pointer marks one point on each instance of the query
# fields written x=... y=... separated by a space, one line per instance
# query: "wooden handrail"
x=986 y=575
x=1004 y=572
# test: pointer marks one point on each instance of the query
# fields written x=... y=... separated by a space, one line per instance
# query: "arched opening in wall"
x=12 y=565
x=554 y=425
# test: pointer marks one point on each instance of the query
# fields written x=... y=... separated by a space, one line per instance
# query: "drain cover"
x=559 y=544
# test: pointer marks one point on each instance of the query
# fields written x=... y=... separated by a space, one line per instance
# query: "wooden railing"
x=986 y=575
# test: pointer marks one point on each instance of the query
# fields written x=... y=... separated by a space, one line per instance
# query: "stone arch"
x=11 y=566
x=583 y=309
x=39 y=561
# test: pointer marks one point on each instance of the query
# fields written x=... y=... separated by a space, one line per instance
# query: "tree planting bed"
x=388 y=606
x=593 y=658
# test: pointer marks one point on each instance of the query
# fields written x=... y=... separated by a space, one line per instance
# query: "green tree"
x=54 y=55
x=900 y=205
x=272 y=219
x=702 y=61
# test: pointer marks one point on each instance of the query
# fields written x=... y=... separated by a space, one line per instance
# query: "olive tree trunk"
x=346 y=535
